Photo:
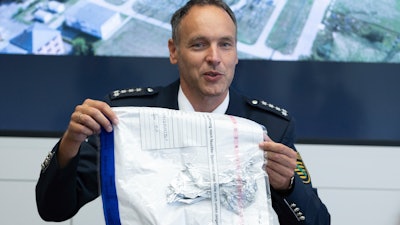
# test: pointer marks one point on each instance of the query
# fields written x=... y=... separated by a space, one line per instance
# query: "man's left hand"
x=280 y=165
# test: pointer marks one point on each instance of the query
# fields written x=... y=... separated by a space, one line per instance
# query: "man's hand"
x=86 y=120
x=281 y=163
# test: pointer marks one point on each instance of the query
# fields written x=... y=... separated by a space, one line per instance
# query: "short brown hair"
x=183 y=11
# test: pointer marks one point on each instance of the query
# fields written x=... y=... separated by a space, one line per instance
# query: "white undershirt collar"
x=184 y=104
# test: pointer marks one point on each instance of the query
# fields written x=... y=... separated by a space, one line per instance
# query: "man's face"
x=206 y=53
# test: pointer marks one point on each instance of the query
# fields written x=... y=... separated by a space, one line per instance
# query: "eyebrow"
x=229 y=38
x=225 y=38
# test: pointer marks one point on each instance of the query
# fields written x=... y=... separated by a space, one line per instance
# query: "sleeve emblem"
x=302 y=171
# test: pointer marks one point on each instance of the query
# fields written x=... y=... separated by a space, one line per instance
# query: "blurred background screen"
x=333 y=64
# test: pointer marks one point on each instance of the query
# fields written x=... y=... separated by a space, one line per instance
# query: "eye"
x=226 y=45
x=198 y=45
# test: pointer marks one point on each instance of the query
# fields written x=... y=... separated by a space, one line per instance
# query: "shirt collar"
x=184 y=104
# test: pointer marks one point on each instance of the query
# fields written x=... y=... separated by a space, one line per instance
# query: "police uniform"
x=60 y=193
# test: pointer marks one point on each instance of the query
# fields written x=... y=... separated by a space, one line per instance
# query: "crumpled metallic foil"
x=237 y=189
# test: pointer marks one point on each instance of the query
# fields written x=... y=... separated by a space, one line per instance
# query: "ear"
x=172 y=52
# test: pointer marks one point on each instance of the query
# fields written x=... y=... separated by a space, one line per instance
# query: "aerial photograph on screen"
x=291 y=30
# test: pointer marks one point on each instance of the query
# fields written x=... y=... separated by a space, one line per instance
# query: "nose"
x=213 y=55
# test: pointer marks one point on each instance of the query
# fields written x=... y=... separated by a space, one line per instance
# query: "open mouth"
x=212 y=74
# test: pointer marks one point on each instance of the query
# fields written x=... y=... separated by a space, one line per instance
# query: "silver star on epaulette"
x=116 y=93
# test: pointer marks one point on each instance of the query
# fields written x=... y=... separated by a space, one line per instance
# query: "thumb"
x=266 y=137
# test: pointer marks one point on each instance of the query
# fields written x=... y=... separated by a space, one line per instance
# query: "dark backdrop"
x=349 y=103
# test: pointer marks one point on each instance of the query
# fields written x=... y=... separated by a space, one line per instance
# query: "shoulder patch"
x=269 y=107
x=133 y=92
x=302 y=171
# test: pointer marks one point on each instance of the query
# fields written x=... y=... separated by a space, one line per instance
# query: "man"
x=203 y=46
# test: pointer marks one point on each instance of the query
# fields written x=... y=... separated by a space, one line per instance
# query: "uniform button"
x=299 y=214
x=302 y=218
x=293 y=205
x=296 y=210
x=254 y=102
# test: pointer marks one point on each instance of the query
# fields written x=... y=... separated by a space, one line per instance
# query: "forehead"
x=207 y=20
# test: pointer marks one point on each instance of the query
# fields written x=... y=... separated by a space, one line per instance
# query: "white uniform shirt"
x=184 y=104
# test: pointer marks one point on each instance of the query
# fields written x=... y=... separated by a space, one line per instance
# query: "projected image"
x=320 y=30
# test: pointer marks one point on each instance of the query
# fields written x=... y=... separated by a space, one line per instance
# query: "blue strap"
x=107 y=179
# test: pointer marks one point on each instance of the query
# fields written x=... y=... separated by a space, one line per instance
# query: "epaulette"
x=133 y=92
x=269 y=107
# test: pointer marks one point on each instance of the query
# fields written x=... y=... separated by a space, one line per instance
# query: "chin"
x=215 y=93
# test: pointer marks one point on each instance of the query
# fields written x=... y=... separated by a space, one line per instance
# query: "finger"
x=280 y=169
x=97 y=114
x=89 y=123
x=278 y=148
x=82 y=131
x=105 y=109
x=266 y=137
x=77 y=132
x=282 y=159
x=78 y=117
x=276 y=180
x=279 y=177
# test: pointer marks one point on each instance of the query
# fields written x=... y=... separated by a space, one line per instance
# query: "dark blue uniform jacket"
x=60 y=193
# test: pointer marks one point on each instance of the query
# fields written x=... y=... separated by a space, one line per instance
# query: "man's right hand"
x=86 y=120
